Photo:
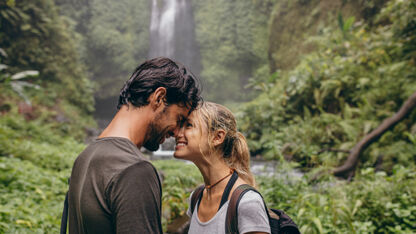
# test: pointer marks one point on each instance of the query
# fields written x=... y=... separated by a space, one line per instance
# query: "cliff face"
x=292 y=23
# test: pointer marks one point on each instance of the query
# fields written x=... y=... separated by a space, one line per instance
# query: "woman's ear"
x=219 y=137
x=157 y=98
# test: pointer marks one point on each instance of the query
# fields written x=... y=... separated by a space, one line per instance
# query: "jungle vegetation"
x=308 y=80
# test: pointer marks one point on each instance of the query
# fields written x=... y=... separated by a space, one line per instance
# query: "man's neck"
x=129 y=122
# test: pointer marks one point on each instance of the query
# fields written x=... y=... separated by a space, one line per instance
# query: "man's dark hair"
x=181 y=85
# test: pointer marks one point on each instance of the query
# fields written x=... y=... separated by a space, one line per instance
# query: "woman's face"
x=192 y=140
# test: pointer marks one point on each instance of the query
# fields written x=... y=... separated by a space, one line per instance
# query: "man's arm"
x=134 y=198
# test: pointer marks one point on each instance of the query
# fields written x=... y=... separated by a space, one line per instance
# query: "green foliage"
x=289 y=38
x=179 y=181
x=358 y=77
x=43 y=115
x=15 y=82
x=35 y=162
x=372 y=203
x=113 y=38
x=31 y=198
x=233 y=41
x=35 y=38
x=38 y=143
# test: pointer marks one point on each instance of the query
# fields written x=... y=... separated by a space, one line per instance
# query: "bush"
x=31 y=198
x=372 y=203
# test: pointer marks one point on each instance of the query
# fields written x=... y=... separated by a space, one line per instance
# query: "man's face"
x=166 y=124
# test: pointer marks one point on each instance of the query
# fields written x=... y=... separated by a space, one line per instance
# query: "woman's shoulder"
x=252 y=216
x=252 y=197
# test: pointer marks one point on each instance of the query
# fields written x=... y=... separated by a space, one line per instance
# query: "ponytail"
x=239 y=159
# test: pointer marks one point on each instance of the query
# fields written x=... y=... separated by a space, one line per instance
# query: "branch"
x=333 y=150
x=348 y=167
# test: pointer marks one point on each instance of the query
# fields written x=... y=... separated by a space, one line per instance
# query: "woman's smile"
x=180 y=144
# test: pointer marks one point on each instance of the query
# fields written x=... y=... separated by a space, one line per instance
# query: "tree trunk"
x=348 y=168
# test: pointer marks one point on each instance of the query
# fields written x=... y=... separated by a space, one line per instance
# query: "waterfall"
x=172 y=33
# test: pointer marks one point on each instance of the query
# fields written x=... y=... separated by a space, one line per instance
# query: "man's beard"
x=155 y=136
x=155 y=133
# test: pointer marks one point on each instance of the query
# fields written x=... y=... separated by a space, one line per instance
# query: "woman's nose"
x=178 y=132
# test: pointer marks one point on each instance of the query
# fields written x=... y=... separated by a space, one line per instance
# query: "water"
x=272 y=169
x=172 y=33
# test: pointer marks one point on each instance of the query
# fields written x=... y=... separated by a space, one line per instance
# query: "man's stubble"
x=155 y=132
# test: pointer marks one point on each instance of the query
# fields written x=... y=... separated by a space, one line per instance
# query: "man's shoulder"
x=109 y=156
x=139 y=171
x=113 y=150
x=138 y=177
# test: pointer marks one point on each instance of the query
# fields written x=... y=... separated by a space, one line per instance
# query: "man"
x=113 y=189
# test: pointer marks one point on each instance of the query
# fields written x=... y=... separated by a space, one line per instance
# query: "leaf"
x=24 y=222
x=317 y=97
x=25 y=74
x=3 y=53
x=300 y=212
x=340 y=21
x=348 y=23
x=318 y=224
x=357 y=205
x=10 y=3
x=25 y=27
x=3 y=66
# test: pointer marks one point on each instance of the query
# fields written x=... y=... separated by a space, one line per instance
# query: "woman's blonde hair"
x=234 y=149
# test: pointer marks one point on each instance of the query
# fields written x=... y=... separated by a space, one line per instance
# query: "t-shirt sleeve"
x=134 y=198
x=252 y=216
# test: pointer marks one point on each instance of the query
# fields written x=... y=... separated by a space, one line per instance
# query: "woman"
x=211 y=141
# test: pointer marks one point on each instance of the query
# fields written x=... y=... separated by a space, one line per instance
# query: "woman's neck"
x=212 y=171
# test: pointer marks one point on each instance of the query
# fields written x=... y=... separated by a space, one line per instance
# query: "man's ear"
x=219 y=137
x=157 y=98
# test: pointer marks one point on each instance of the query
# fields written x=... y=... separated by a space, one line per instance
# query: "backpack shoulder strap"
x=231 y=220
x=196 y=196
x=64 y=219
x=279 y=221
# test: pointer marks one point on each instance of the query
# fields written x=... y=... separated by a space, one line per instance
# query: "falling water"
x=172 y=33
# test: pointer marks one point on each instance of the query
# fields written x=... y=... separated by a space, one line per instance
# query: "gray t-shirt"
x=252 y=217
x=114 y=189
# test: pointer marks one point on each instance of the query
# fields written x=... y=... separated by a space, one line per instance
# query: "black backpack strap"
x=196 y=196
x=64 y=219
x=231 y=220
x=228 y=188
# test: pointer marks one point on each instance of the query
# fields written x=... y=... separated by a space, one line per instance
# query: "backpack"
x=280 y=223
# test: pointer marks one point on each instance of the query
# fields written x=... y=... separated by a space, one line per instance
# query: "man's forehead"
x=181 y=110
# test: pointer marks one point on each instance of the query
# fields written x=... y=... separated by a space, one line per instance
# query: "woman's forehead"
x=193 y=116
